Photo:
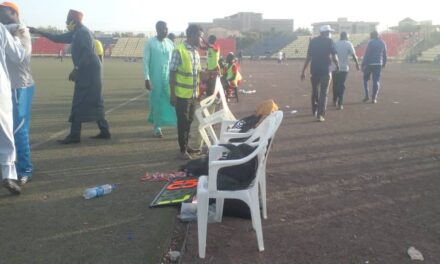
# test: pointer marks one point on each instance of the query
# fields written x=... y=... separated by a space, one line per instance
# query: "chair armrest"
x=227 y=136
x=225 y=125
x=214 y=118
x=208 y=101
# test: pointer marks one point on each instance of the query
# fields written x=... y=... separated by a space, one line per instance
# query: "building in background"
x=342 y=24
x=249 y=22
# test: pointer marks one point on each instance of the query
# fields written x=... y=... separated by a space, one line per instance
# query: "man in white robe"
x=9 y=47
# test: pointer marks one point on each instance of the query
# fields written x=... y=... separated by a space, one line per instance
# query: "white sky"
x=141 y=15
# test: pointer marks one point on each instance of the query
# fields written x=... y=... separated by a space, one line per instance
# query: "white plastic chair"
x=207 y=186
x=225 y=138
x=207 y=120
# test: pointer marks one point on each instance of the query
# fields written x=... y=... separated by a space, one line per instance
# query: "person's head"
x=374 y=34
x=212 y=39
x=194 y=34
x=230 y=58
x=344 y=35
x=9 y=13
x=171 y=36
x=325 y=30
x=161 y=29
x=74 y=19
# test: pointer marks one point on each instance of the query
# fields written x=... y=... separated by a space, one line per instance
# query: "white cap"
x=325 y=28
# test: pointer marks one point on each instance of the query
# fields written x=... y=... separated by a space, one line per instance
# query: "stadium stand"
x=129 y=48
x=134 y=47
x=269 y=45
x=430 y=55
x=298 y=48
x=45 y=47
x=398 y=44
x=108 y=44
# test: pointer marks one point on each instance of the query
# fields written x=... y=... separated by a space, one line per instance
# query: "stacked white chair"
x=207 y=186
x=207 y=120
x=226 y=137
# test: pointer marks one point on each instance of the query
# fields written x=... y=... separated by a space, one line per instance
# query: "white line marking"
x=64 y=131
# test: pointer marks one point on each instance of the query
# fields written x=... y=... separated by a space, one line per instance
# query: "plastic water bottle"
x=98 y=191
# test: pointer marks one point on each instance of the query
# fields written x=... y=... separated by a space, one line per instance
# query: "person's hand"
x=33 y=30
x=173 y=99
x=337 y=67
x=303 y=76
x=148 y=85
x=21 y=31
x=72 y=75
x=357 y=67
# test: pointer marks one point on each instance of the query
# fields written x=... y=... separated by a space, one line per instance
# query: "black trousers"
x=320 y=85
x=185 y=109
x=339 y=86
x=75 y=128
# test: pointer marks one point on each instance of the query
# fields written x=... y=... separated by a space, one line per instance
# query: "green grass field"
x=51 y=222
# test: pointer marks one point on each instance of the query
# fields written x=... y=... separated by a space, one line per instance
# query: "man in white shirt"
x=9 y=47
x=280 y=57
x=344 y=49
x=23 y=87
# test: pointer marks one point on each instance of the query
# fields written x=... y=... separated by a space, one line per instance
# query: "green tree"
x=52 y=30
x=303 y=32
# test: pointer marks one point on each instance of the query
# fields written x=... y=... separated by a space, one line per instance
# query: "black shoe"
x=102 y=135
x=12 y=186
x=69 y=140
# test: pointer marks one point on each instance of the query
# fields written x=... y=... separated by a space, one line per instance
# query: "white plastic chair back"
x=207 y=186
x=207 y=120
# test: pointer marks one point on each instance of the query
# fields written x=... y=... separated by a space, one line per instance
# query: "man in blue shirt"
x=374 y=61
x=321 y=52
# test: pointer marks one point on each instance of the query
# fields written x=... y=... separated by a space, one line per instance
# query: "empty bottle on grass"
x=98 y=191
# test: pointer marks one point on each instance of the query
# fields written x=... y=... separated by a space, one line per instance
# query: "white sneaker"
x=321 y=119
x=23 y=180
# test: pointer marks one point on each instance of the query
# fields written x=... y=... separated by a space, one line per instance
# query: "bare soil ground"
x=362 y=187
